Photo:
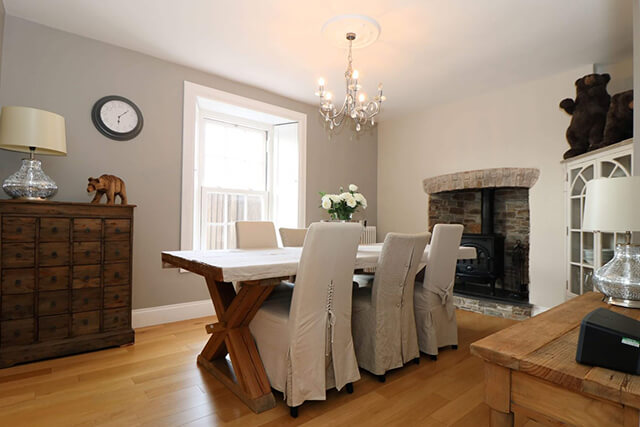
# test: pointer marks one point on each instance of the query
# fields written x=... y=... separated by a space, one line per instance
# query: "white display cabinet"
x=586 y=250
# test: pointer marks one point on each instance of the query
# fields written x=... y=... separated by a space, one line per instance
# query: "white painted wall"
x=519 y=126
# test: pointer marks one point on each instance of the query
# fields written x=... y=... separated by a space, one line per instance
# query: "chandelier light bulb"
x=355 y=74
x=328 y=96
x=362 y=97
x=321 y=82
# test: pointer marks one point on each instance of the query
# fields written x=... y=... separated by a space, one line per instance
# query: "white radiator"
x=368 y=235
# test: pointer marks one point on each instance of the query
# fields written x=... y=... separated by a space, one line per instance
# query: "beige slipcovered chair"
x=292 y=237
x=305 y=342
x=383 y=323
x=256 y=235
x=433 y=301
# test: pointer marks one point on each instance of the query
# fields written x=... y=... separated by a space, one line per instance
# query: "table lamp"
x=613 y=204
x=32 y=131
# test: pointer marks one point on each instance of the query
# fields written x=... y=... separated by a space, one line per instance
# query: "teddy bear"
x=619 y=125
x=588 y=113
x=110 y=185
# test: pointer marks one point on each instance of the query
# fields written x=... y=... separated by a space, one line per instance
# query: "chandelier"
x=355 y=103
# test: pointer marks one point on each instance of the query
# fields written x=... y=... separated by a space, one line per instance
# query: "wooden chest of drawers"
x=65 y=278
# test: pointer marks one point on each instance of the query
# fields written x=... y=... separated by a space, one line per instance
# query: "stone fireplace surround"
x=455 y=198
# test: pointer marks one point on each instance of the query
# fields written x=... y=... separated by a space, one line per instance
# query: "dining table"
x=230 y=354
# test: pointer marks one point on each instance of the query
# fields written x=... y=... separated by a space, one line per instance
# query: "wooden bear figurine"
x=110 y=185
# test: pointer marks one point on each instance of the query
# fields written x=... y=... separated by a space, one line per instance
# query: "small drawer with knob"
x=87 y=229
x=85 y=323
x=116 y=274
x=54 y=229
x=115 y=251
x=116 y=296
x=18 y=255
x=53 y=327
x=87 y=299
x=86 y=253
x=15 y=229
x=116 y=319
x=53 y=302
x=17 y=332
x=17 y=306
x=53 y=278
x=86 y=276
x=18 y=281
x=52 y=254
x=117 y=229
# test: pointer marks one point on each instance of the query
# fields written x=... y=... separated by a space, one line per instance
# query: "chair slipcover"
x=433 y=301
x=256 y=235
x=384 y=326
x=292 y=237
x=305 y=342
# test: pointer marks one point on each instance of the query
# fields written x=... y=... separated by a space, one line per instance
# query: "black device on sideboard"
x=610 y=340
x=65 y=273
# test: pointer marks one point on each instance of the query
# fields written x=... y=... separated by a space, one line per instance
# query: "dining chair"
x=305 y=342
x=256 y=235
x=293 y=237
x=383 y=322
x=433 y=301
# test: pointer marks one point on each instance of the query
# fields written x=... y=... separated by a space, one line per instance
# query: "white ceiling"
x=429 y=51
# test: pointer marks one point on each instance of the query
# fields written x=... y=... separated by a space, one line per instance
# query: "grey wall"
x=2 y=17
x=65 y=73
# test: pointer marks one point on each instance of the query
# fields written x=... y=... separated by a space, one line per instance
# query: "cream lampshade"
x=613 y=204
x=32 y=131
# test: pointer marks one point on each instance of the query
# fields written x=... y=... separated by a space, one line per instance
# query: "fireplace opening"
x=496 y=222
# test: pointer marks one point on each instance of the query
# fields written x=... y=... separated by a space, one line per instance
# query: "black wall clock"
x=117 y=118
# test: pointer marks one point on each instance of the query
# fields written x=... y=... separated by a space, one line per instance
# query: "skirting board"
x=171 y=313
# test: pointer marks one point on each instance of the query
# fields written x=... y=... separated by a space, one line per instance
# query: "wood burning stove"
x=488 y=267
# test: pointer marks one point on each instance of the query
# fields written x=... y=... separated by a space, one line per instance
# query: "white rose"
x=359 y=197
x=363 y=202
x=345 y=196
x=351 y=202
x=335 y=198
x=326 y=202
x=353 y=187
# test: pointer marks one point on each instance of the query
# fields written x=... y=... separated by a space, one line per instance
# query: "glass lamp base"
x=619 y=279
x=30 y=182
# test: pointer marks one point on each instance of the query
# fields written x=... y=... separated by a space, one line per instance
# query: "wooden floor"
x=156 y=382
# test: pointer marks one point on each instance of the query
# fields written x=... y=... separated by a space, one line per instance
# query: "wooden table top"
x=545 y=347
x=257 y=264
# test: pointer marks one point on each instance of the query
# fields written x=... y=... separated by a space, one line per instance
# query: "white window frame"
x=191 y=119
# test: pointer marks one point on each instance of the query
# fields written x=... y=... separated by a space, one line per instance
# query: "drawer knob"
x=18 y=255
x=85 y=322
x=16 y=334
x=85 y=300
x=19 y=230
x=17 y=307
x=54 y=229
x=115 y=319
x=116 y=296
x=18 y=282
x=54 y=254
x=54 y=279
x=53 y=304
x=86 y=278
x=116 y=275
x=87 y=230
x=117 y=230
x=87 y=253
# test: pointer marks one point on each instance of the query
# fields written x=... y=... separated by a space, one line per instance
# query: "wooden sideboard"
x=65 y=278
x=532 y=377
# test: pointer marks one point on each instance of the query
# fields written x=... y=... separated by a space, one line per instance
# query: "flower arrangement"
x=342 y=206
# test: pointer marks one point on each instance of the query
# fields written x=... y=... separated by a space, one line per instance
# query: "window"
x=239 y=163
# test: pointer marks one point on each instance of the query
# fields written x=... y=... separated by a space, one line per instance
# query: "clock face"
x=117 y=118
